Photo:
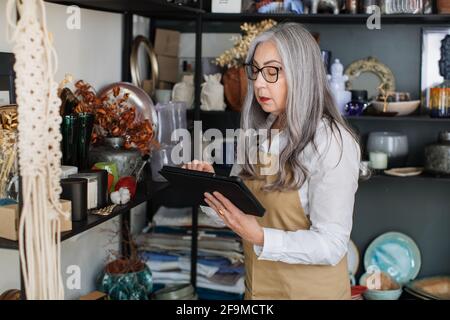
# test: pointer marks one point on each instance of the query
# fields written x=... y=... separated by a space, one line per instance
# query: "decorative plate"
x=404 y=172
x=437 y=288
x=137 y=97
x=352 y=258
x=396 y=254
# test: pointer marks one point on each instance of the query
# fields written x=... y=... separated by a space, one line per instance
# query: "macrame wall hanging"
x=38 y=148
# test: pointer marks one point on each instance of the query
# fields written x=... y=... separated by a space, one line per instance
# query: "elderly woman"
x=298 y=249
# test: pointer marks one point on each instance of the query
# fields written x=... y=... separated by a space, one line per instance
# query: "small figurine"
x=212 y=95
x=337 y=81
x=314 y=6
x=184 y=91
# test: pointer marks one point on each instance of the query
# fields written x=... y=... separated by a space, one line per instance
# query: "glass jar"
x=437 y=155
x=440 y=100
x=402 y=6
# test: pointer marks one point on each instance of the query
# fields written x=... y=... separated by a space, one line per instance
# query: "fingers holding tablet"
x=199 y=166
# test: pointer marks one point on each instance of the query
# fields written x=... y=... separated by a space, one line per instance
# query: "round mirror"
x=138 y=67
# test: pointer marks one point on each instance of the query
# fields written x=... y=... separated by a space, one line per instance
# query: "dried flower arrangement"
x=235 y=57
x=384 y=94
x=125 y=275
x=8 y=148
x=118 y=262
x=115 y=117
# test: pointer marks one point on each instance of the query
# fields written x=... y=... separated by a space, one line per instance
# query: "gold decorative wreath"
x=373 y=65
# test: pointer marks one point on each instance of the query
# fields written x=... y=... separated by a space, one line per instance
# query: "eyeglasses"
x=269 y=73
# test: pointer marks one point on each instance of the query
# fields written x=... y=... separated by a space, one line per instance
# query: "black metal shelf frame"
x=330 y=18
x=161 y=9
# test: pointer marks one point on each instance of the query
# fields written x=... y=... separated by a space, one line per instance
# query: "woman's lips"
x=264 y=99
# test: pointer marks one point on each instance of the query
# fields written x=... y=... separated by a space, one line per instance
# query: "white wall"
x=213 y=44
x=92 y=53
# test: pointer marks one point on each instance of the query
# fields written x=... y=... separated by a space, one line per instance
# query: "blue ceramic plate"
x=396 y=254
x=352 y=257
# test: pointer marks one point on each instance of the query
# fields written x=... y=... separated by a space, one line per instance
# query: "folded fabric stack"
x=166 y=248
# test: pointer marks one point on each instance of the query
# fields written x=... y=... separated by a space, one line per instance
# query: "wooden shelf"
x=423 y=118
x=162 y=9
x=423 y=176
x=145 y=192
x=419 y=118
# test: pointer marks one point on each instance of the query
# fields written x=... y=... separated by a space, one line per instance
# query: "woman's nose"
x=260 y=82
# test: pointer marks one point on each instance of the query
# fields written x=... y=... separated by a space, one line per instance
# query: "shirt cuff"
x=273 y=245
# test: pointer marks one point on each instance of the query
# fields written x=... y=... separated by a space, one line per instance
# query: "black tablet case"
x=196 y=183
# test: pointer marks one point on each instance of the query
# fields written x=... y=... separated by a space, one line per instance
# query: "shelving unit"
x=423 y=118
x=143 y=194
x=417 y=206
x=162 y=10
x=329 y=18
x=146 y=8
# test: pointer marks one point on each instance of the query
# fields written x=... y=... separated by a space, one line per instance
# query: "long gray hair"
x=308 y=101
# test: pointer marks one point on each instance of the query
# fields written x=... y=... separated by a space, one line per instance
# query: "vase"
x=86 y=124
x=443 y=6
x=235 y=87
x=128 y=161
x=69 y=143
x=437 y=155
x=136 y=285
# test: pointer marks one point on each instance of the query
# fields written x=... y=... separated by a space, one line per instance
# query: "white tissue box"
x=92 y=188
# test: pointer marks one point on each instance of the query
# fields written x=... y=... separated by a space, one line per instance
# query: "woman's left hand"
x=246 y=226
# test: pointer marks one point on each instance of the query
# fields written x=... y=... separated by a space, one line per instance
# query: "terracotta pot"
x=443 y=6
x=121 y=266
x=235 y=87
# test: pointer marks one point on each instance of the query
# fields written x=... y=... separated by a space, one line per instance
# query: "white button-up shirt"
x=327 y=197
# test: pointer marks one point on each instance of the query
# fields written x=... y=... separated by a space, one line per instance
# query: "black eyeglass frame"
x=248 y=71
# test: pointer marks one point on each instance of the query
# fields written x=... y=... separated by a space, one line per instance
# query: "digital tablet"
x=196 y=183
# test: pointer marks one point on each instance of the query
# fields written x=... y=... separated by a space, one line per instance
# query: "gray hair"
x=308 y=101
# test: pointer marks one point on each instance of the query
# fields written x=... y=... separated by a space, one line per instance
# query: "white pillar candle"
x=378 y=160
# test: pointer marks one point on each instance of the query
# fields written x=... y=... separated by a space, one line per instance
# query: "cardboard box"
x=167 y=42
x=95 y=295
x=9 y=220
x=168 y=68
x=226 y=6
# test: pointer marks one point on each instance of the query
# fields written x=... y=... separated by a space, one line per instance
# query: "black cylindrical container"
x=102 y=186
x=75 y=190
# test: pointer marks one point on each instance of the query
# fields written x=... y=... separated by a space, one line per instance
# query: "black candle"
x=75 y=190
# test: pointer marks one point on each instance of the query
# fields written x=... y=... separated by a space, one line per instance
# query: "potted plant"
x=234 y=78
x=126 y=277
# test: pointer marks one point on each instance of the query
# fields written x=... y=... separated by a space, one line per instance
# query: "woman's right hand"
x=199 y=166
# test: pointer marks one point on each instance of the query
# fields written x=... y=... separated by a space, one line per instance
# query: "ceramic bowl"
x=394 y=144
x=402 y=108
x=382 y=294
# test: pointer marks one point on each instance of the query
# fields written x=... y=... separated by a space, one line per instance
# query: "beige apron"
x=280 y=280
